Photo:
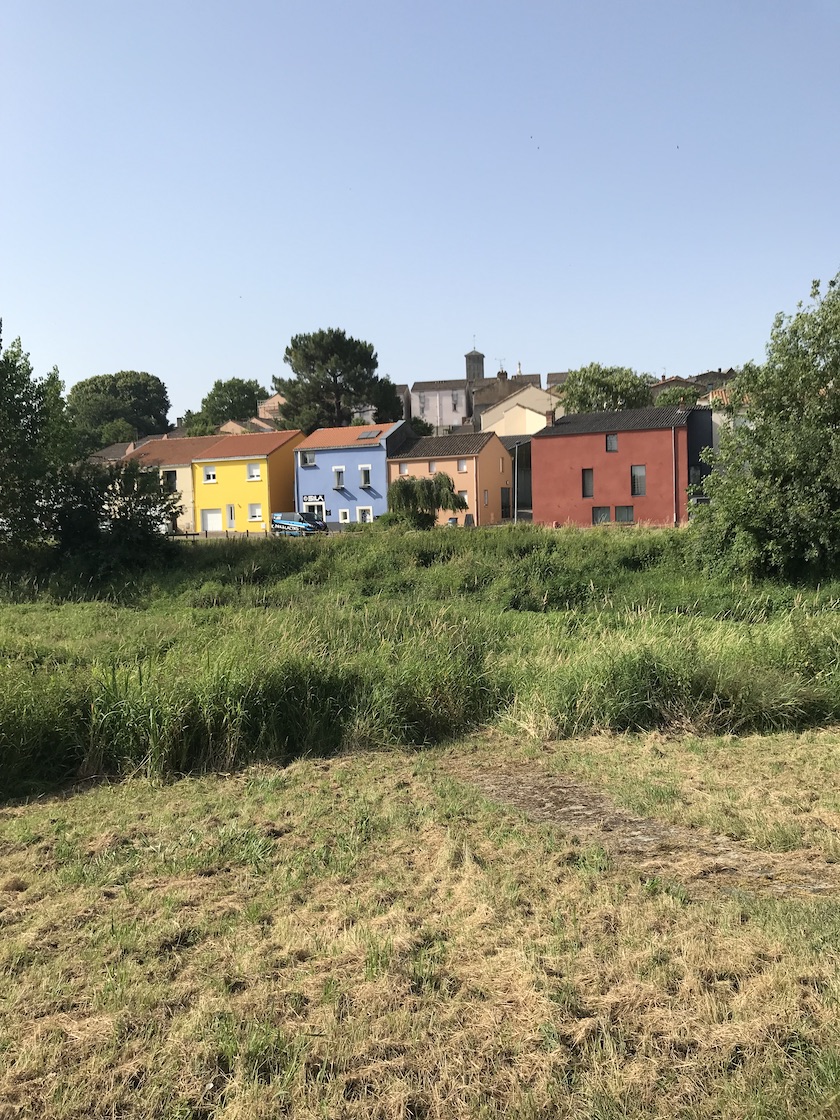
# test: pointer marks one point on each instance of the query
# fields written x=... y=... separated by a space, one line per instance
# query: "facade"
x=631 y=466
x=341 y=474
x=478 y=464
x=173 y=458
x=241 y=480
x=448 y=404
x=522 y=413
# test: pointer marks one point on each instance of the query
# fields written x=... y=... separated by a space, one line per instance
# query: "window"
x=624 y=513
x=364 y=514
x=486 y=497
x=253 y=472
x=375 y=434
x=462 y=466
x=600 y=515
x=255 y=512
x=587 y=482
x=364 y=477
x=170 y=481
x=403 y=468
x=338 y=478
x=432 y=466
x=612 y=441
x=456 y=401
x=307 y=458
x=344 y=516
x=463 y=494
x=210 y=474
x=638 y=481
x=501 y=466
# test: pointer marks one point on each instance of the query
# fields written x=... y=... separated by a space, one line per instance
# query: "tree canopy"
x=234 y=399
x=774 y=496
x=418 y=500
x=597 y=388
x=334 y=377
x=684 y=396
x=35 y=438
x=113 y=407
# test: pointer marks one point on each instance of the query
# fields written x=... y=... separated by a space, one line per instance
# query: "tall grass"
x=249 y=651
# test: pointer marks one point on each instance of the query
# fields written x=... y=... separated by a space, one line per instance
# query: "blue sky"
x=638 y=182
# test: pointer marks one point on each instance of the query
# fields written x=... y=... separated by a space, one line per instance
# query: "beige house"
x=479 y=465
x=174 y=458
x=522 y=413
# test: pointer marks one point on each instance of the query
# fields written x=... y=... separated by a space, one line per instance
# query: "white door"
x=314 y=507
x=231 y=517
x=211 y=521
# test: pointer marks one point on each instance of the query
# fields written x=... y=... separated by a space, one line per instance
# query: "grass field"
x=367 y=936
x=507 y=824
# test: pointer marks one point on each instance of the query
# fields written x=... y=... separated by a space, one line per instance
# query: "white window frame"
x=339 y=478
x=307 y=458
x=462 y=466
x=465 y=495
x=209 y=474
x=403 y=469
x=359 y=510
x=344 y=517
x=254 y=472
x=487 y=497
x=362 y=468
x=255 y=511
x=433 y=466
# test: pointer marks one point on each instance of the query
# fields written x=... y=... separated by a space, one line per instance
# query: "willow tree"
x=419 y=500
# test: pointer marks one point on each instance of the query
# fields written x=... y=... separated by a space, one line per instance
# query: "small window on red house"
x=587 y=482
x=612 y=441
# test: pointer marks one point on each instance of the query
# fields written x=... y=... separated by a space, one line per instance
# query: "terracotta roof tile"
x=354 y=436
x=251 y=444
x=174 y=452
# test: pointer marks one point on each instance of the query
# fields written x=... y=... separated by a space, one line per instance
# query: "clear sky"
x=185 y=186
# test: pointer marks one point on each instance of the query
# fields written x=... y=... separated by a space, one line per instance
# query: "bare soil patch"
x=707 y=863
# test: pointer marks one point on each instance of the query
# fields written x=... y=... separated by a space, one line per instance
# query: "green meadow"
x=511 y=823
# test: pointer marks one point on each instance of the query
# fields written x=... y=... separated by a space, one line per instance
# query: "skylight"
x=370 y=435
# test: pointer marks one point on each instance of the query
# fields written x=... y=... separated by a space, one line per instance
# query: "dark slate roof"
x=555 y=379
x=629 y=420
x=457 y=445
x=511 y=441
x=437 y=386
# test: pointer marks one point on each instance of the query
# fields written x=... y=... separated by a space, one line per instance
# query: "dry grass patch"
x=368 y=937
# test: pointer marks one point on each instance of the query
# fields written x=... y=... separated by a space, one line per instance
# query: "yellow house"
x=247 y=479
x=173 y=458
x=479 y=465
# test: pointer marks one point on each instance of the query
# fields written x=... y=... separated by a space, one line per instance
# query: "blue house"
x=341 y=474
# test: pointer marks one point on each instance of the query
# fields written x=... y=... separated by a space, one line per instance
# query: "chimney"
x=502 y=375
x=549 y=417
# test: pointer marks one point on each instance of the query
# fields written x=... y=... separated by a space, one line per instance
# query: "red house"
x=628 y=466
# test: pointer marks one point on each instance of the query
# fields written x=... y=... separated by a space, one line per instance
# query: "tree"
x=418 y=500
x=334 y=376
x=119 y=511
x=233 y=399
x=683 y=396
x=597 y=388
x=35 y=440
x=139 y=400
x=774 y=495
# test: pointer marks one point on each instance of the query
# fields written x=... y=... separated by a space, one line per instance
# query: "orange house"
x=479 y=465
